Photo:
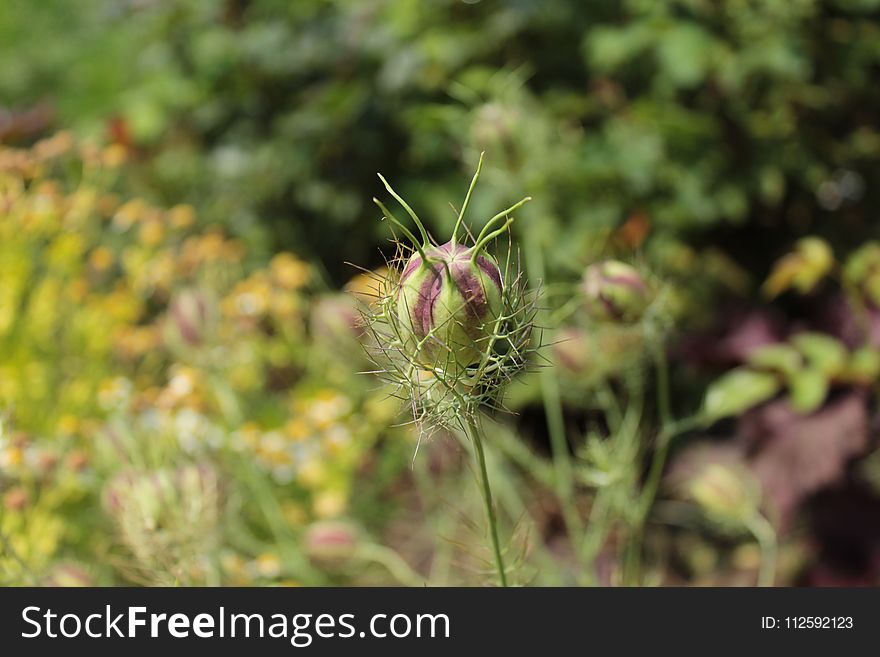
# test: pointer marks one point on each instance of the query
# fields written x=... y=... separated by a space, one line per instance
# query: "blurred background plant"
x=182 y=183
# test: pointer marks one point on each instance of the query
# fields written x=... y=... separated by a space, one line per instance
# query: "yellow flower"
x=283 y=303
x=129 y=213
x=268 y=565
x=369 y=287
x=68 y=425
x=181 y=216
x=114 y=156
x=152 y=233
x=11 y=457
x=297 y=429
x=289 y=272
x=101 y=259
x=326 y=407
x=312 y=473
x=330 y=504
x=114 y=393
x=77 y=289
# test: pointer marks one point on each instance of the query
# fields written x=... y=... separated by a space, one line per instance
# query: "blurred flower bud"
x=335 y=320
x=330 y=542
x=449 y=304
x=68 y=575
x=192 y=318
x=15 y=499
x=615 y=292
x=718 y=479
x=571 y=350
x=724 y=492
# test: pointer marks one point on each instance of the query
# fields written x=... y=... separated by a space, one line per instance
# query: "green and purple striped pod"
x=448 y=306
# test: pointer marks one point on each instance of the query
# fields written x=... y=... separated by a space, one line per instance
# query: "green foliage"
x=275 y=114
x=737 y=391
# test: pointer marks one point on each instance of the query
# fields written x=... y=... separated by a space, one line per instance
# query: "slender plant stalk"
x=473 y=432
x=669 y=428
x=552 y=401
x=396 y=566
x=658 y=461
x=765 y=535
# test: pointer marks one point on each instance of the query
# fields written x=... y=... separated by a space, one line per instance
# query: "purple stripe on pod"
x=490 y=269
x=470 y=288
x=470 y=300
x=423 y=312
x=411 y=267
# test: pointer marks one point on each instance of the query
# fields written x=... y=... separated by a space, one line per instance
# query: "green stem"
x=474 y=434
x=658 y=461
x=406 y=231
x=425 y=239
x=652 y=483
x=765 y=535
x=396 y=566
x=483 y=241
x=668 y=430
x=467 y=200
x=552 y=400
x=501 y=215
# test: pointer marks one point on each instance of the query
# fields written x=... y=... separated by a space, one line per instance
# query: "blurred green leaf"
x=808 y=390
x=824 y=353
x=782 y=358
x=738 y=391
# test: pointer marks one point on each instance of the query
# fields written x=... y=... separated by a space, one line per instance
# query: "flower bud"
x=615 y=292
x=449 y=304
x=330 y=542
x=334 y=320
x=723 y=492
x=16 y=499
x=68 y=575
x=571 y=350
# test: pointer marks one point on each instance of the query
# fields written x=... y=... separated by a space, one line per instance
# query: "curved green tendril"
x=406 y=231
x=467 y=199
x=501 y=215
x=425 y=239
x=488 y=238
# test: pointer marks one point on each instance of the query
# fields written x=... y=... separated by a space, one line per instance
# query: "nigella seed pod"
x=330 y=542
x=449 y=328
x=448 y=303
x=615 y=292
x=449 y=296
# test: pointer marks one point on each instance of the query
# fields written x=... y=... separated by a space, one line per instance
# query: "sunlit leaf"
x=808 y=390
x=739 y=390
x=823 y=352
